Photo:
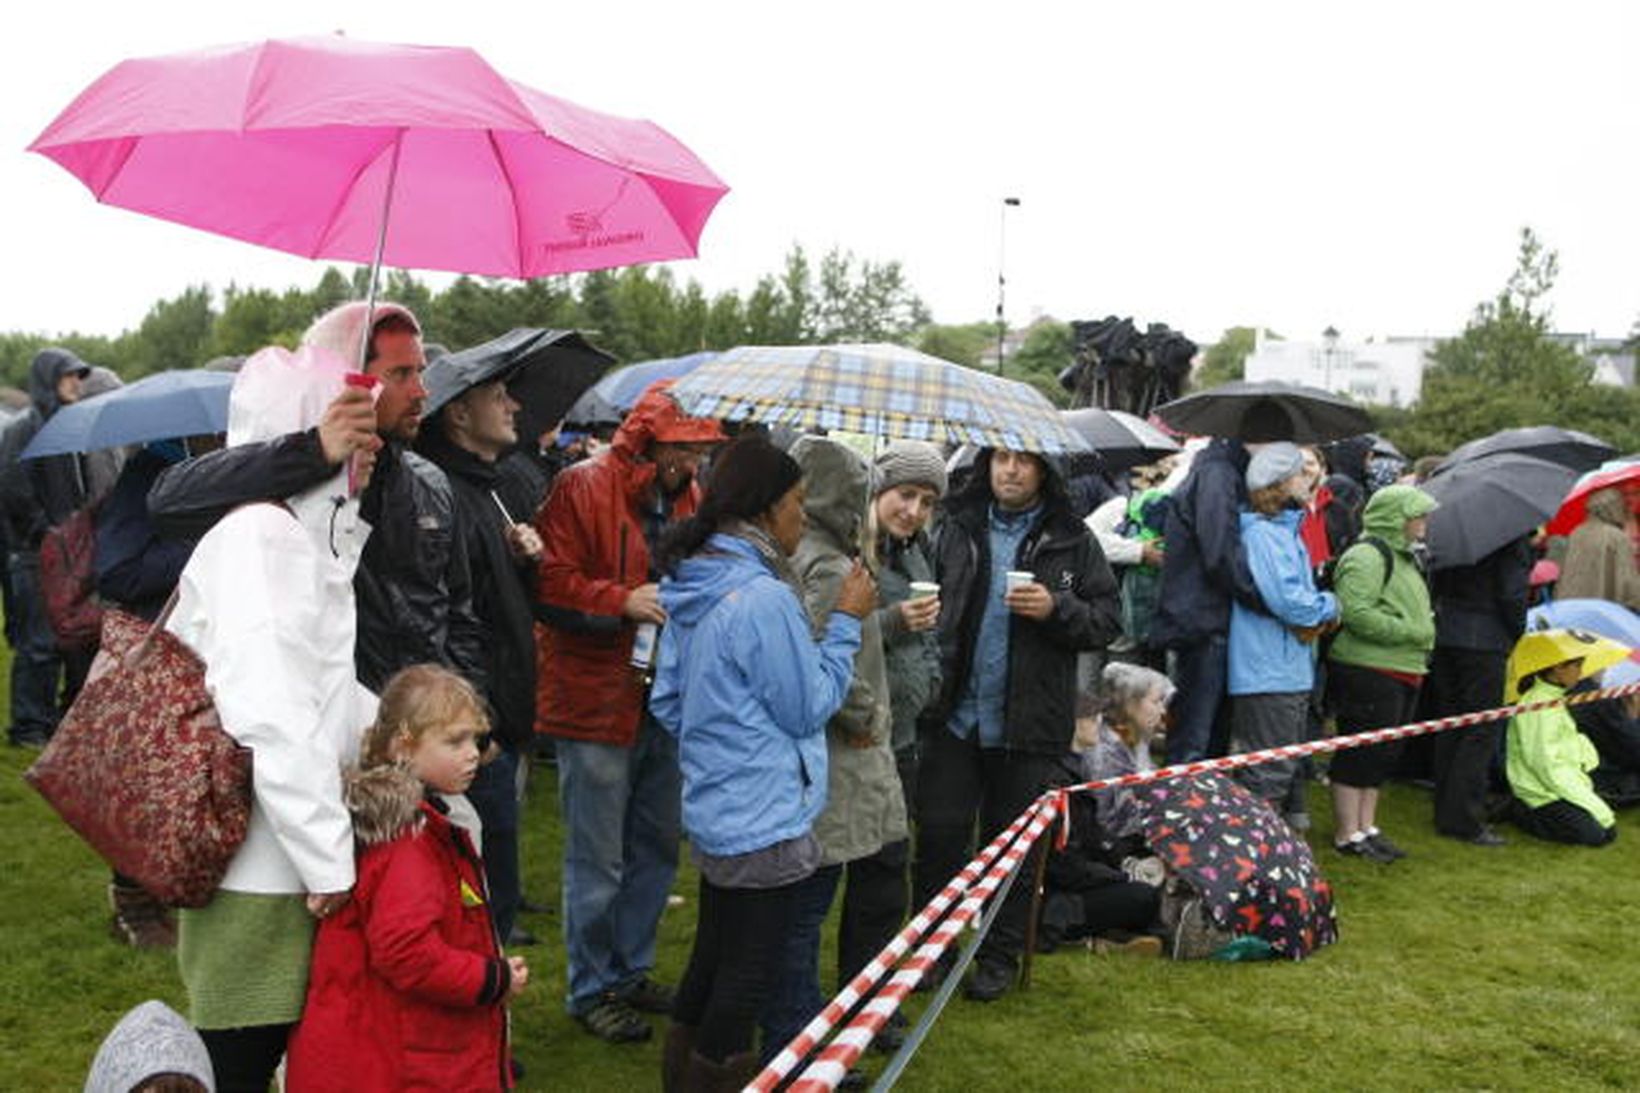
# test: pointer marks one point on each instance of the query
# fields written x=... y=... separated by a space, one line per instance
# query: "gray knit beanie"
x=151 y=1039
x=910 y=461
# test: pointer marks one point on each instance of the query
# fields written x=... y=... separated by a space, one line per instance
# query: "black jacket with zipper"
x=1040 y=711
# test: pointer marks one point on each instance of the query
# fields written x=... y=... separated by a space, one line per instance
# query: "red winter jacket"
x=595 y=554
x=405 y=988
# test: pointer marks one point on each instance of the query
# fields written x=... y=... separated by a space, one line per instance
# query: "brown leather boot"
x=702 y=1075
x=139 y=919
x=675 y=1052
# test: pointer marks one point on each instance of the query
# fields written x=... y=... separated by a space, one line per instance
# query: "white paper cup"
x=922 y=590
x=1017 y=577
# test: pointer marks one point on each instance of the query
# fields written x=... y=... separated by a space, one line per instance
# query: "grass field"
x=1458 y=968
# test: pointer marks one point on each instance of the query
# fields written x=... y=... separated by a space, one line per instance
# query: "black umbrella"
x=1568 y=447
x=1488 y=503
x=1264 y=411
x=545 y=370
x=1122 y=439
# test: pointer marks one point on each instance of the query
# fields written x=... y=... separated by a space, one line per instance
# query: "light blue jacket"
x=747 y=691
x=1265 y=656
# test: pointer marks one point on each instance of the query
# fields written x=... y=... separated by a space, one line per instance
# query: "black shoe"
x=521 y=936
x=854 y=1079
x=936 y=973
x=891 y=1037
x=1378 y=839
x=990 y=981
x=611 y=1019
x=648 y=996
x=1364 y=848
x=1488 y=838
x=32 y=740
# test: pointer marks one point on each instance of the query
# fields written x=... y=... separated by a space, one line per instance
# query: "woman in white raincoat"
x=266 y=601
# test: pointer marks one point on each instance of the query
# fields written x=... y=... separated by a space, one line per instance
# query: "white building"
x=1387 y=372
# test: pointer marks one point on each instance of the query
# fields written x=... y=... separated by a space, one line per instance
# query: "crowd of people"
x=831 y=676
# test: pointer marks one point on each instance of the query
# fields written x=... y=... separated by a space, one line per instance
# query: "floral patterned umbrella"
x=1255 y=876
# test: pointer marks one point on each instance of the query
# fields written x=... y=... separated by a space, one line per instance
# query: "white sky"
x=1365 y=165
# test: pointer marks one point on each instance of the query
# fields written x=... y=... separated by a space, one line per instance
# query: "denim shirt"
x=985 y=695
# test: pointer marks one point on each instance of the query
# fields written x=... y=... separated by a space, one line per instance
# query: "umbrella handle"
x=381 y=245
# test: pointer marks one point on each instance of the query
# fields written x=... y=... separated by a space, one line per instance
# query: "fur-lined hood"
x=385 y=802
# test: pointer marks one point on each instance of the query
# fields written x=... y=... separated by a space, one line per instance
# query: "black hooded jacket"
x=1041 y=705
x=40 y=492
x=1204 y=566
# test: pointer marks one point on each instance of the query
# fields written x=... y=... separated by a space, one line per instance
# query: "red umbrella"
x=1575 y=508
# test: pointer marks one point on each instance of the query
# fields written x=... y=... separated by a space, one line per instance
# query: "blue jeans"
x=494 y=794
x=622 y=824
x=36 y=665
x=796 y=996
x=1201 y=674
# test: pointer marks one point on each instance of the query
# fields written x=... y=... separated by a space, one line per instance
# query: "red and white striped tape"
x=1012 y=845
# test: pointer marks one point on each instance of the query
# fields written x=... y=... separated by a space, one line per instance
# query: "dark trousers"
x=795 y=995
x=43 y=680
x=740 y=938
x=1366 y=699
x=1563 y=822
x=244 y=1059
x=1198 y=728
x=874 y=906
x=959 y=784
x=494 y=795
x=1463 y=681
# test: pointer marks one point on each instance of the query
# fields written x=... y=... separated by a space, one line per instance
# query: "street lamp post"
x=1002 y=279
x=1329 y=338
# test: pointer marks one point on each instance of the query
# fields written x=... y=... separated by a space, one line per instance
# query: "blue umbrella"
x=608 y=400
x=1603 y=617
x=157 y=407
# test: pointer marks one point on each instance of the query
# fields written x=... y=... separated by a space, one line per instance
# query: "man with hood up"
x=35 y=495
x=1008 y=657
x=618 y=775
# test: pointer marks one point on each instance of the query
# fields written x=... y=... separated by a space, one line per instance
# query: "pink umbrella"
x=416 y=156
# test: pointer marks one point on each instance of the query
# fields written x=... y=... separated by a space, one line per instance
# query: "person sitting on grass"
x=1120 y=723
x=1549 y=761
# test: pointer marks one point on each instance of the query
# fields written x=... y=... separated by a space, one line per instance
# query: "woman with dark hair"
x=746 y=689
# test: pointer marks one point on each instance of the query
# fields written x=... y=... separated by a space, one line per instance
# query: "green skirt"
x=244 y=959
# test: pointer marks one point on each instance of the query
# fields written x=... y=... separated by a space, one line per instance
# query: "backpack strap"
x=1385 y=553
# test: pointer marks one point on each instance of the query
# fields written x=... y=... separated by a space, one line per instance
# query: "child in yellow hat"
x=1548 y=759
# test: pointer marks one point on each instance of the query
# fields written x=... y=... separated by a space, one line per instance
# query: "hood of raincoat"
x=278 y=392
x=1389 y=509
x=657 y=416
x=710 y=574
x=341 y=329
x=49 y=366
x=1607 y=506
x=837 y=485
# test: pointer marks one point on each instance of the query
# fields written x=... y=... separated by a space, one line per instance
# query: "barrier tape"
x=845 y=1049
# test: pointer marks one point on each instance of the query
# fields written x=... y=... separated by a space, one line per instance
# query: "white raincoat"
x=266 y=601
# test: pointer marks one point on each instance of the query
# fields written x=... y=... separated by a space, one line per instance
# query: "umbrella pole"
x=381 y=245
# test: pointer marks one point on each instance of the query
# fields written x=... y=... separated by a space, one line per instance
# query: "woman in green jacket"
x=1379 y=658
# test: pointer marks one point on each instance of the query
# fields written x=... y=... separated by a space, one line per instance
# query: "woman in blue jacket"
x=747 y=691
x=1272 y=655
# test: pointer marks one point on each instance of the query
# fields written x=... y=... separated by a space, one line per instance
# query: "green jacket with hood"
x=865 y=809
x=1387 y=624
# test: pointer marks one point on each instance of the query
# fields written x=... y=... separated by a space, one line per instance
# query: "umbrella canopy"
x=607 y=401
x=1267 y=410
x=1540 y=649
x=304 y=145
x=1488 y=503
x=1568 y=447
x=1575 y=508
x=545 y=370
x=1385 y=447
x=157 y=407
x=1255 y=876
x=884 y=390
x=1121 y=438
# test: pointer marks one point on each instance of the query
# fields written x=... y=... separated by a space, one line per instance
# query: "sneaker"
x=1362 y=847
x=1381 y=841
x=611 y=1019
x=1137 y=945
x=648 y=996
x=1488 y=838
x=990 y=980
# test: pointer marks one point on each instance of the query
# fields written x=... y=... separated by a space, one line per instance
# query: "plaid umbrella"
x=1255 y=876
x=882 y=390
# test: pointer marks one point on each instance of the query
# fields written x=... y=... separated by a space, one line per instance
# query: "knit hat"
x=151 y=1039
x=1273 y=463
x=908 y=461
x=341 y=329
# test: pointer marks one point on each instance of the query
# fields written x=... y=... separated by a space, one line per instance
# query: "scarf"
x=768 y=550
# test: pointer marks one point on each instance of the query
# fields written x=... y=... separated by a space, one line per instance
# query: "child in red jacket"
x=408 y=988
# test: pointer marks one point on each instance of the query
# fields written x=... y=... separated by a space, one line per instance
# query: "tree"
x=964 y=344
x=1048 y=349
x=174 y=334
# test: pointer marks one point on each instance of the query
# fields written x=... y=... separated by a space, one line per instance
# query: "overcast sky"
x=1364 y=165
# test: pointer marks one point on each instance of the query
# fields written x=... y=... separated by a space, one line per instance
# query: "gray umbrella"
x=1488 y=503
x=1267 y=410
x=1568 y=447
x=1121 y=438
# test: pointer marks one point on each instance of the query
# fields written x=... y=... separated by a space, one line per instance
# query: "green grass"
x=1458 y=968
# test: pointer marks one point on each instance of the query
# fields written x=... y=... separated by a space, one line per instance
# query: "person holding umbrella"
x=1599 y=562
x=1378 y=659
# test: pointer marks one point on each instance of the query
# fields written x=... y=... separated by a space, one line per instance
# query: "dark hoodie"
x=1204 y=566
x=1039 y=710
x=40 y=492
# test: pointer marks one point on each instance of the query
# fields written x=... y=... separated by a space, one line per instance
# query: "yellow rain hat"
x=1540 y=649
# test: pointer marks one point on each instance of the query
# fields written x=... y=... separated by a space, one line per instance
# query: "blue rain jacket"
x=1265 y=656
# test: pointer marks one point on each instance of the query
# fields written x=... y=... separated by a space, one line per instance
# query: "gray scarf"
x=768 y=550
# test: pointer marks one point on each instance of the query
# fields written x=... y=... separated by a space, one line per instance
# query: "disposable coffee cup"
x=1015 y=578
x=922 y=590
